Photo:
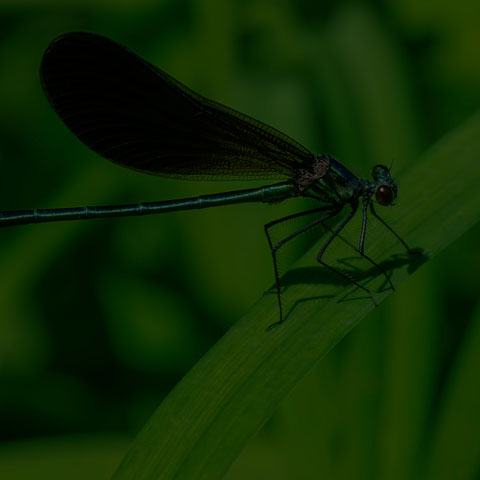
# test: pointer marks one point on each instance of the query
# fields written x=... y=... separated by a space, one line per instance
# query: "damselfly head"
x=385 y=188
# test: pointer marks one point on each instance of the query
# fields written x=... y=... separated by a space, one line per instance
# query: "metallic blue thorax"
x=339 y=185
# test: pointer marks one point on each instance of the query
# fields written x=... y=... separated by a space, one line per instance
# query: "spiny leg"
x=276 y=247
x=374 y=213
x=361 y=248
x=330 y=240
x=358 y=249
x=366 y=257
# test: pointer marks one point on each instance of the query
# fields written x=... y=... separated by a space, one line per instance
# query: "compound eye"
x=384 y=195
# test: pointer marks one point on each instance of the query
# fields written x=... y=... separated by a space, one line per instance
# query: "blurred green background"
x=99 y=320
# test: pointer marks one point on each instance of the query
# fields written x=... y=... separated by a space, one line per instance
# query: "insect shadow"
x=318 y=275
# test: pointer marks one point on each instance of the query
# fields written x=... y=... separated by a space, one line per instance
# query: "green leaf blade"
x=206 y=420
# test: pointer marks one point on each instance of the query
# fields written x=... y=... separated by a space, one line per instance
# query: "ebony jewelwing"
x=134 y=114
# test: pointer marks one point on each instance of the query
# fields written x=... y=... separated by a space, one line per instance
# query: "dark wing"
x=136 y=115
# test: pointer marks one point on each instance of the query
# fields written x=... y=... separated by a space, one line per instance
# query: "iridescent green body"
x=336 y=186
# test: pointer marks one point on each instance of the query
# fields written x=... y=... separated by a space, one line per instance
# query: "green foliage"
x=100 y=320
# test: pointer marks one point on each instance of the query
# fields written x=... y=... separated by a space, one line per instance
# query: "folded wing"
x=136 y=115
